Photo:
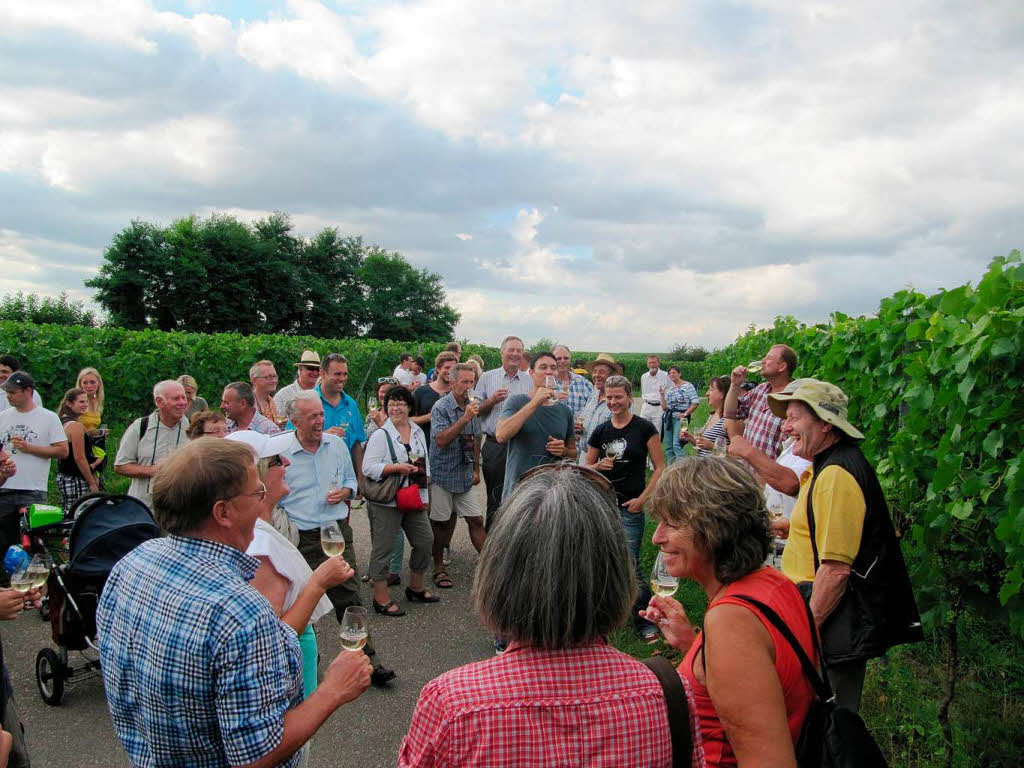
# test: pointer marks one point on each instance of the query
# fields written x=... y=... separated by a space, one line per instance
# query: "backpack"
x=832 y=736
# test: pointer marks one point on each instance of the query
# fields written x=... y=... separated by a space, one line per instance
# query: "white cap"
x=263 y=445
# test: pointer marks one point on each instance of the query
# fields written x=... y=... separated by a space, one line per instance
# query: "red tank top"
x=772 y=588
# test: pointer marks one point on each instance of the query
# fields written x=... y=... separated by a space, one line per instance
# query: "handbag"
x=408 y=499
x=832 y=736
x=678 y=710
x=382 y=491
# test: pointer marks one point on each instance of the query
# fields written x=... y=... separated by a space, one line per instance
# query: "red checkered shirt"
x=588 y=706
x=761 y=427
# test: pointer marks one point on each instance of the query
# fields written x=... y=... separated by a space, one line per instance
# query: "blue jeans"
x=634 y=526
x=670 y=442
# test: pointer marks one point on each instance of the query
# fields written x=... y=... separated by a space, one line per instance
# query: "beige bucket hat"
x=604 y=359
x=828 y=402
x=309 y=357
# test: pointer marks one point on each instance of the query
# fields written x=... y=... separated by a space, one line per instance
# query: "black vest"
x=878 y=609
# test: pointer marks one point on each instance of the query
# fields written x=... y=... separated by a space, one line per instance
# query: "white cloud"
x=463 y=236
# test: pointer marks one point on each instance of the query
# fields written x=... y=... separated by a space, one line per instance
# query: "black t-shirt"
x=423 y=399
x=627 y=475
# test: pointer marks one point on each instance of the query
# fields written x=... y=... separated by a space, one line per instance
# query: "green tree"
x=223 y=275
x=58 y=310
x=404 y=303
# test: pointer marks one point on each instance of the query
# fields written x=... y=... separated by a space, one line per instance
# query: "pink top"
x=587 y=706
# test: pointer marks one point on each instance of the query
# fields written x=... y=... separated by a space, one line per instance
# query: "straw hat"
x=604 y=359
x=309 y=357
x=828 y=402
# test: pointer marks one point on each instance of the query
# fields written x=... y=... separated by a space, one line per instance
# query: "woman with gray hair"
x=554 y=578
x=751 y=693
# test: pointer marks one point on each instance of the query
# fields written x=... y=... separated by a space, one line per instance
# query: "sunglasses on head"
x=387 y=380
x=592 y=475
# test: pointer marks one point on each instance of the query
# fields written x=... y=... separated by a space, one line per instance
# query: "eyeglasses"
x=260 y=493
x=387 y=380
x=593 y=475
x=312 y=368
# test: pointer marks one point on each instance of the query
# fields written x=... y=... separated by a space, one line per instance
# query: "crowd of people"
x=207 y=647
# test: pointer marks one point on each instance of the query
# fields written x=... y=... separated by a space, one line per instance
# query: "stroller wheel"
x=50 y=676
x=44 y=609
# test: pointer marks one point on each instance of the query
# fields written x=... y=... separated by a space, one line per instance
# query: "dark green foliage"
x=222 y=275
x=32 y=308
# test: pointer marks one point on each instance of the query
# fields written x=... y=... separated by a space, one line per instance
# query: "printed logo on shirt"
x=23 y=431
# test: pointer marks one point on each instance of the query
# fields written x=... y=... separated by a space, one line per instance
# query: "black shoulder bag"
x=678 y=710
x=832 y=736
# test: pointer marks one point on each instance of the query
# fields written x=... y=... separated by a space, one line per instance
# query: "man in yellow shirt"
x=842 y=547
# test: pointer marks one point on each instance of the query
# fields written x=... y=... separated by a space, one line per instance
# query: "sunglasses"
x=387 y=380
x=592 y=475
x=274 y=461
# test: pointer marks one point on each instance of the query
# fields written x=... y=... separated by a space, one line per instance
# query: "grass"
x=903 y=691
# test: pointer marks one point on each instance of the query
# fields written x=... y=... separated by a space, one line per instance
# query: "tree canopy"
x=222 y=275
x=32 y=308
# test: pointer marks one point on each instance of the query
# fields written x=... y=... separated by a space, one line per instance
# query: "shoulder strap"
x=817 y=680
x=143 y=426
x=810 y=520
x=678 y=709
x=391 y=447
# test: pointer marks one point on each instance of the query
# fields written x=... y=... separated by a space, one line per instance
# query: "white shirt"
x=376 y=455
x=418 y=379
x=404 y=377
x=37 y=427
x=493 y=380
x=268 y=542
x=650 y=386
x=4 y=405
x=773 y=497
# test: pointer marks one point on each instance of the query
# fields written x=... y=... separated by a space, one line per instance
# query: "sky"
x=621 y=177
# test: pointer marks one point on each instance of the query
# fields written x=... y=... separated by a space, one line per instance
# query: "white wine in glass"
x=354 y=630
x=331 y=540
x=473 y=396
x=38 y=571
x=371 y=403
x=413 y=457
x=754 y=366
x=22 y=580
x=663 y=583
x=552 y=383
x=721 y=447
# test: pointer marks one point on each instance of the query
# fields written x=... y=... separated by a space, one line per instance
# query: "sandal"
x=441 y=579
x=420 y=597
x=385 y=610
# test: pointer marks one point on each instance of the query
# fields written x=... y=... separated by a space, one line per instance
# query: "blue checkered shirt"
x=450 y=466
x=198 y=669
x=580 y=391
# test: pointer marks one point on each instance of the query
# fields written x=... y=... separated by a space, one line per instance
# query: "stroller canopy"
x=106 y=530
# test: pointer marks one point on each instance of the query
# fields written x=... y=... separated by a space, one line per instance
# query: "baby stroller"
x=106 y=528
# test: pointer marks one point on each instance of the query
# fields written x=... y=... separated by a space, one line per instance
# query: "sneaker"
x=649 y=634
x=499 y=646
x=446 y=558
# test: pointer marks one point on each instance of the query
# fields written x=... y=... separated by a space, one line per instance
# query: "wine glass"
x=331 y=540
x=371 y=403
x=551 y=383
x=754 y=366
x=21 y=580
x=473 y=396
x=354 y=630
x=414 y=456
x=721 y=446
x=38 y=571
x=663 y=583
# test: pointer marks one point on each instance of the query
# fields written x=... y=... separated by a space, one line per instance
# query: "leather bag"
x=382 y=491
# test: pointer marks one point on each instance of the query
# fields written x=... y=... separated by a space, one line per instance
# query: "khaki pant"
x=346 y=593
x=387 y=522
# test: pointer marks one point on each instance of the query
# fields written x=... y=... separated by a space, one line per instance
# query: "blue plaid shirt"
x=451 y=467
x=678 y=399
x=198 y=669
x=580 y=391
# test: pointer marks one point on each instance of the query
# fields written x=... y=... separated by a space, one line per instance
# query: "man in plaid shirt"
x=198 y=668
x=575 y=389
x=748 y=413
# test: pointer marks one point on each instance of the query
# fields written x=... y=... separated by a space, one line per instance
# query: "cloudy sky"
x=617 y=176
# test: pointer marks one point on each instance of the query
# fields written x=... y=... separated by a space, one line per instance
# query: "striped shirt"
x=678 y=399
x=493 y=380
x=594 y=414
